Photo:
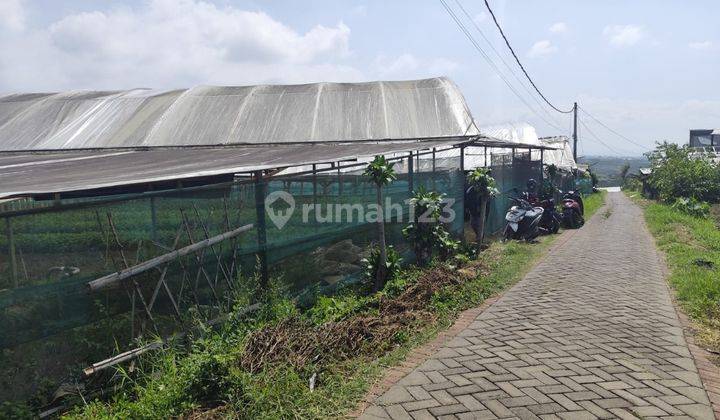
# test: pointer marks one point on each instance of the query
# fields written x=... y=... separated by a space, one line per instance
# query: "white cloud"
x=559 y=28
x=624 y=35
x=542 y=48
x=12 y=15
x=407 y=66
x=701 y=45
x=480 y=18
x=173 y=43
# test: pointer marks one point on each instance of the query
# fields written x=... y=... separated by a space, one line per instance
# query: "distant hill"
x=607 y=168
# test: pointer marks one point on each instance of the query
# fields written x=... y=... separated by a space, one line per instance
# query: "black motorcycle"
x=551 y=218
x=523 y=221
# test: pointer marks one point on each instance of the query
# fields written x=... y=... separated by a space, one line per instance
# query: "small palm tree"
x=482 y=187
x=624 y=170
x=381 y=173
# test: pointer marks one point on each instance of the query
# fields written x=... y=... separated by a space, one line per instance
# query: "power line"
x=497 y=24
x=467 y=33
x=510 y=69
x=614 y=150
x=611 y=130
x=472 y=40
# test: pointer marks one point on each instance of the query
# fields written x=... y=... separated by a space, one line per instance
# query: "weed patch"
x=692 y=249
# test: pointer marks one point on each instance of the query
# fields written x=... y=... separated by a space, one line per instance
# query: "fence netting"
x=313 y=233
x=54 y=325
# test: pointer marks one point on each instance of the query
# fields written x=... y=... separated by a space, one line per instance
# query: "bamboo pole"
x=134 y=353
x=221 y=267
x=113 y=279
x=136 y=286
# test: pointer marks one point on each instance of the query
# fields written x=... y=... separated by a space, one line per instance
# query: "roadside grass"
x=208 y=381
x=593 y=202
x=692 y=250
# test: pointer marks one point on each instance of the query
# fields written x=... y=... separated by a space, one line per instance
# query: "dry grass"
x=298 y=342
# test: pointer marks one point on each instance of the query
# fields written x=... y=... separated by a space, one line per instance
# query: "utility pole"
x=575 y=132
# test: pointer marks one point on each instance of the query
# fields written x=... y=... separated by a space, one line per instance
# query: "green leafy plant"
x=593 y=177
x=552 y=170
x=481 y=188
x=681 y=172
x=425 y=229
x=381 y=173
x=692 y=206
x=333 y=309
x=447 y=246
x=632 y=183
x=624 y=170
x=373 y=263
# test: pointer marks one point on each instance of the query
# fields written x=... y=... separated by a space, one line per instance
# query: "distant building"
x=705 y=138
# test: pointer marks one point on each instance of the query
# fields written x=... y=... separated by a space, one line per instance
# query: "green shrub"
x=392 y=265
x=632 y=183
x=679 y=171
x=426 y=231
x=447 y=246
x=333 y=309
x=692 y=206
x=427 y=207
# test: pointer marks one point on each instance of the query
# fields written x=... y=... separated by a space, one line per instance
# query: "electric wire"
x=507 y=42
x=474 y=42
x=491 y=63
x=527 y=75
x=509 y=68
x=597 y=138
x=611 y=130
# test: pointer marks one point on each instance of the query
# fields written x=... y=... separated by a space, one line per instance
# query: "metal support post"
x=11 y=251
x=260 y=190
x=411 y=187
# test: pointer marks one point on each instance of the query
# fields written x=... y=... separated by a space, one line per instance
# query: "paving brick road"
x=590 y=332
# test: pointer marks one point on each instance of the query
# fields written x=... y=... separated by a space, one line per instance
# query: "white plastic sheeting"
x=519 y=133
x=562 y=156
x=207 y=115
x=513 y=132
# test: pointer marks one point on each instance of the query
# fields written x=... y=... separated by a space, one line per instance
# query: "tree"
x=681 y=172
x=593 y=177
x=624 y=173
x=381 y=173
x=482 y=187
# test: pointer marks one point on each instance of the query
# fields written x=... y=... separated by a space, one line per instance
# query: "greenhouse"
x=128 y=216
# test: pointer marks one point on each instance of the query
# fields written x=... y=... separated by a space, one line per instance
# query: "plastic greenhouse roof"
x=212 y=115
x=562 y=156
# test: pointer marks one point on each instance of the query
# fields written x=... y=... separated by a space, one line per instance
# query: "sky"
x=649 y=69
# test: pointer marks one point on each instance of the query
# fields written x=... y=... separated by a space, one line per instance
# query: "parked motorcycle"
x=551 y=220
x=573 y=210
x=523 y=221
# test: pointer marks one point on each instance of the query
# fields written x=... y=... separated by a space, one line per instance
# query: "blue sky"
x=648 y=68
